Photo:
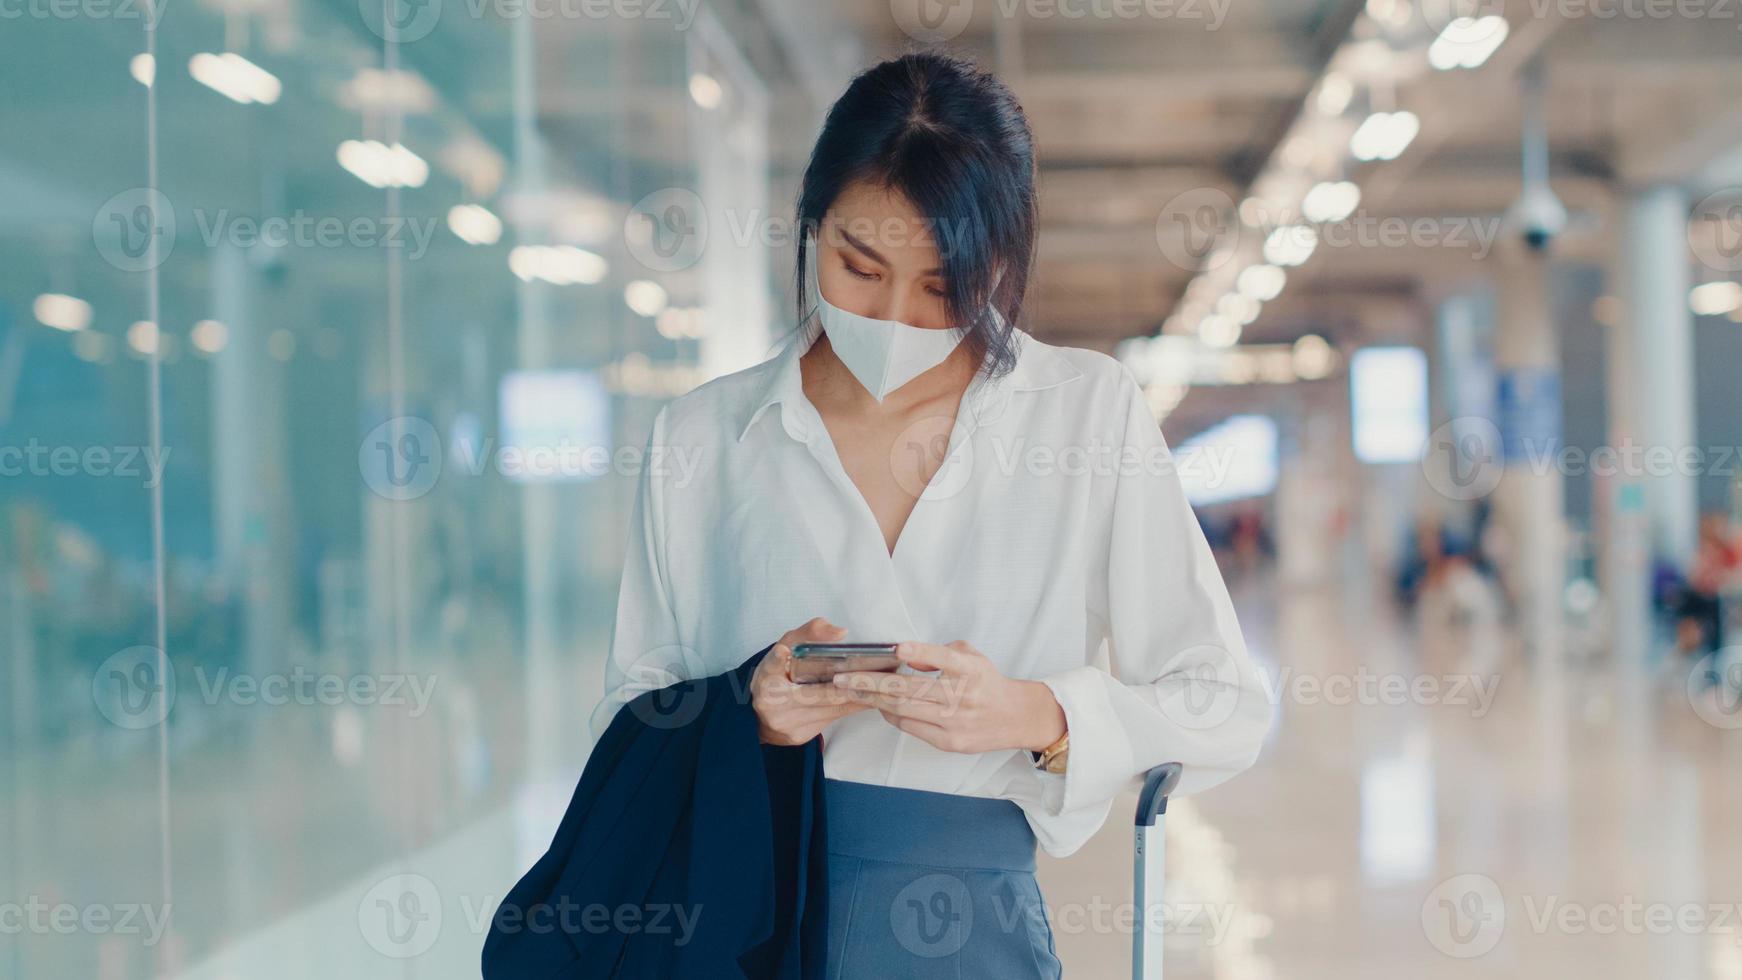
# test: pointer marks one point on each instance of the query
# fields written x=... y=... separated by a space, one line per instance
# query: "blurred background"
x=330 y=334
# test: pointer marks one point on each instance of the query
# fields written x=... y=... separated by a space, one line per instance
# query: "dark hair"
x=948 y=136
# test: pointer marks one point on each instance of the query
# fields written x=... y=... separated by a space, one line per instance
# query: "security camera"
x=1537 y=217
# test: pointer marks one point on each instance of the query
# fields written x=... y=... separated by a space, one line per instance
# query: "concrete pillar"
x=1529 y=499
x=1653 y=365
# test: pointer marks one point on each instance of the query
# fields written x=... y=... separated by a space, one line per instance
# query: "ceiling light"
x=209 y=336
x=143 y=68
x=1715 y=298
x=1384 y=135
x=559 y=265
x=706 y=90
x=1467 y=42
x=1261 y=282
x=235 y=77
x=379 y=165
x=142 y=337
x=1332 y=200
x=1335 y=91
x=1313 y=357
x=1290 y=245
x=1240 y=308
x=474 y=224
x=62 y=312
x=1218 y=331
x=645 y=297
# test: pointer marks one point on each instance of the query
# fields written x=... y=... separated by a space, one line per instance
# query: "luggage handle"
x=1149 y=869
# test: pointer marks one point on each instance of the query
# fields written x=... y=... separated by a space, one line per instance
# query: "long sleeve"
x=646 y=651
x=1182 y=688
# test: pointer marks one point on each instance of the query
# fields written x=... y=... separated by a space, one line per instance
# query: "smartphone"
x=818 y=663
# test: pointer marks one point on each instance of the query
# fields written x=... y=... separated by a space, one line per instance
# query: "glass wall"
x=329 y=338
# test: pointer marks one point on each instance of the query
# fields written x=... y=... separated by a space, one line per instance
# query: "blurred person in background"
x=1716 y=569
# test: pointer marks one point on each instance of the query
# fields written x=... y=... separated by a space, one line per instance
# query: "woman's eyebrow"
x=877 y=256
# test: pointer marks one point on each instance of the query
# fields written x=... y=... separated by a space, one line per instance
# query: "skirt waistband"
x=914 y=826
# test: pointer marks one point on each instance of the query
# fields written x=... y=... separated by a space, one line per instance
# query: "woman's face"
x=877 y=257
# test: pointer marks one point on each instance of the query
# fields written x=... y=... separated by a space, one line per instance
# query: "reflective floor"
x=1430 y=805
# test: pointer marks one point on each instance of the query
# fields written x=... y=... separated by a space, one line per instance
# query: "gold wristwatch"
x=1054 y=757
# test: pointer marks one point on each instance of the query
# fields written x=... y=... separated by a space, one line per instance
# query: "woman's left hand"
x=967 y=706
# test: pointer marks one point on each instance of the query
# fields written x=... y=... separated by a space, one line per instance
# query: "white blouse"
x=1055 y=528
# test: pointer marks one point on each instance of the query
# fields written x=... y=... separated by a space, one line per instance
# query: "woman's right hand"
x=793 y=714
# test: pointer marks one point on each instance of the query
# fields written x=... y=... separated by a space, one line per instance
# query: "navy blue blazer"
x=689 y=849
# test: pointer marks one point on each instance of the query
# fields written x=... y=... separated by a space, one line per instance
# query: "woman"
x=915 y=467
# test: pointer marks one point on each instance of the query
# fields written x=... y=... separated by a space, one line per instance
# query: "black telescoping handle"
x=1158 y=784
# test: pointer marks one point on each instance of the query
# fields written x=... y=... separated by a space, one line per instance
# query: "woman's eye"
x=858 y=273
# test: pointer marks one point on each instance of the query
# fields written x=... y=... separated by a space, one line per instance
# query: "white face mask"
x=882 y=354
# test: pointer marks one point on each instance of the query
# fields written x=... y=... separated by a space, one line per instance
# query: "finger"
x=932 y=656
x=900 y=685
x=893 y=704
x=819 y=695
x=925 y=731
x=819 y=628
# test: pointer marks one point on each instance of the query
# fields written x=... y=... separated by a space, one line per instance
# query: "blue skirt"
x=932 y=885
